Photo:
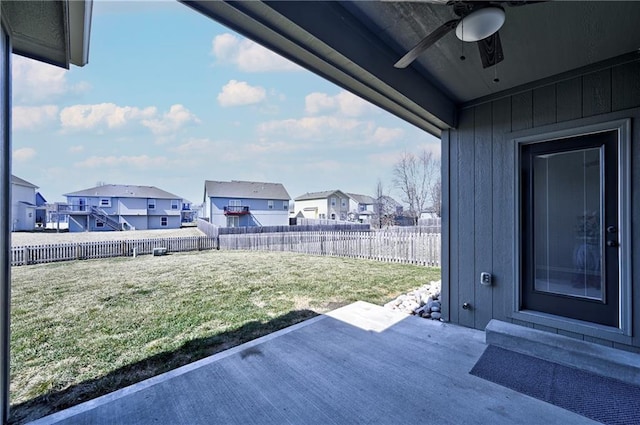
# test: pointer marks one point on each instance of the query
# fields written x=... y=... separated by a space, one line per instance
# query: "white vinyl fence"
x=410 y=248
x=399 y=247
x=35 y=254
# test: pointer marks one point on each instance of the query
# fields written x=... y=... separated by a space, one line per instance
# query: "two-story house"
x=23 y=204
x=329 y=205
x=245 y=204
x=123 y=207
x=361 y=207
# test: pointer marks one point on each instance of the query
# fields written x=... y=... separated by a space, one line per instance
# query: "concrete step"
x=595 y=358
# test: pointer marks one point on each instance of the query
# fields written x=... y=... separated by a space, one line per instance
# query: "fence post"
x=25 y=256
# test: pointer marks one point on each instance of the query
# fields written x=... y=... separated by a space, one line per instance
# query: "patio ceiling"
x=356 y=43
x=55 y=32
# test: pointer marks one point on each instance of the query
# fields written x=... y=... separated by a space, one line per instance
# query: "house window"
x=333 y=202
x=235 y=202
x=270 y=204
x=175 y=204
x=151 y=204
x=323 y=216
x=99 y=223
x=362 y=207
x=333 y=216
x=285 y=205
x=105 y=202
x=343 y=202
x=164 y=221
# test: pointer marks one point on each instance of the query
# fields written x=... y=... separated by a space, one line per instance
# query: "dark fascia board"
x=309 y=34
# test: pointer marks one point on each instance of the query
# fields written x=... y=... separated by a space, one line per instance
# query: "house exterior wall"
x=479 y=187
x=260 y=213
x=312 y=208
x=22 y=216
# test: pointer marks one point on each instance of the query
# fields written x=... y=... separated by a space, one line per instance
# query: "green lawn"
x=85 y=328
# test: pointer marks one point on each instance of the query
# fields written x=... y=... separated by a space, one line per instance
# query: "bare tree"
x=436 y=197
x=415 y=177
x=384 y=212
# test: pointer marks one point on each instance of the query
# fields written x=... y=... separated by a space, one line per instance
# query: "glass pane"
x=568 y=229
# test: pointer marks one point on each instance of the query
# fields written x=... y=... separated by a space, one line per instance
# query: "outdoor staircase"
x=101 y=215
x=256 y=220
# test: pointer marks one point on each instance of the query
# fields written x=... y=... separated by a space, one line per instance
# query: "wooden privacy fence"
x=34 y=254
x=410 y=248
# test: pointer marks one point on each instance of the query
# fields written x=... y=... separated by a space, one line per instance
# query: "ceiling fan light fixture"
x=480 y=24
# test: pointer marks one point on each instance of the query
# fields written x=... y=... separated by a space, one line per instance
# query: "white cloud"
x=76 y=149
x=316 y=103
x=237 y=93
x=195 y=146
x=324 y=127
x=35 y=81
x=384 y=135
x=249 y=56
x=31 y=117
x=140 y=161
x=344 y=102
x=172 y=121
x=85 y=117
x=23 y=154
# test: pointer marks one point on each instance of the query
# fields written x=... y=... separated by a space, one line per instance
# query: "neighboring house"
x=123 y=207
x=188 y=212
x=329 y=205
x=41 y=210
x=57 y=215
x=361 y=207
x=23 y=204
x=246 y=204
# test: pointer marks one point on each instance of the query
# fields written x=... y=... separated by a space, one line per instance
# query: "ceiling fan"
x=478 y=21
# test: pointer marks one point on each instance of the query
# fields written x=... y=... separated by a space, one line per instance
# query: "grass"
x=85 y=328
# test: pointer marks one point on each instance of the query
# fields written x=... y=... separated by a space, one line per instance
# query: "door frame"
x=621 y=124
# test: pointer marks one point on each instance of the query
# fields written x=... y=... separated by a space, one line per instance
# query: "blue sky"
x=171 y=98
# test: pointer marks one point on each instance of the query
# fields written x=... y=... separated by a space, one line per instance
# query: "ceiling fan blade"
x=426 y=42
x=491 y=50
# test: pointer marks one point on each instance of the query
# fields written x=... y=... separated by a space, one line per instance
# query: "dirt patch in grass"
x=85 y=328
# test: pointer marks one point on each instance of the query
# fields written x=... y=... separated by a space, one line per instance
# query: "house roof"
x=355 y=44
x=318 y=195
x=125 y=191
x=362 y=199
x=245 y=189
x=17 y=180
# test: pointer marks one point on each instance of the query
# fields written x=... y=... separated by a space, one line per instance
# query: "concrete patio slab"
x=358 y=364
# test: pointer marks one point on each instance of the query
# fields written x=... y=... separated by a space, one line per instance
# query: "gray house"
x=23 y=204
x=246 y=204
x=326 y=205
x=539 y=128
x=123 y=207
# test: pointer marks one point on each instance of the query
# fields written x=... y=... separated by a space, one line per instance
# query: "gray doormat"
x=599 y=398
